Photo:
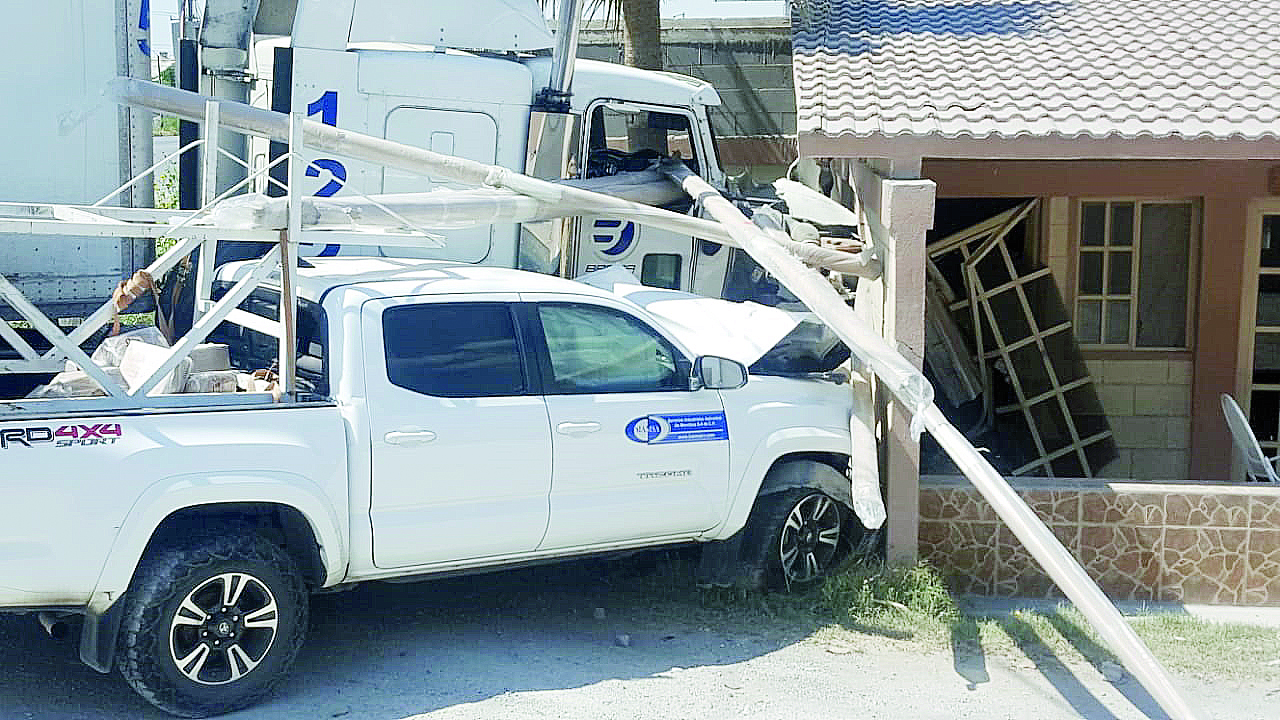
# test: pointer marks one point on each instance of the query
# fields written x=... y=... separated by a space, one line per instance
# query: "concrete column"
x=1217 y=334
x=899 y=212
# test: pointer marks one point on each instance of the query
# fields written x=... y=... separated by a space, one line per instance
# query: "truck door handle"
x=577 y=428
x=409 y=439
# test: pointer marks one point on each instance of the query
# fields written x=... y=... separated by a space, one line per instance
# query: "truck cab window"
x=625 y=138
x=254 y=350
x=453 y=349
x=599 y=350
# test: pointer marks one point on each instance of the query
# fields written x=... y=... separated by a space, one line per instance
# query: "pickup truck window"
x=598 y=350
x=453 y=349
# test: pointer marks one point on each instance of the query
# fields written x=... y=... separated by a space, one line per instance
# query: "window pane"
x=1117 y=322
x=660 y=271
x=1122 y=224
x=1089 y=321
x=635 y=137
x=595 y=349
x=1268 y=300
x=1266 y=359
x=1162 y=288
x=1264 y=414
x=1270 y=241
x=1119 y=275
x=1093 y=219
x=453 y=350
x=1091 y=273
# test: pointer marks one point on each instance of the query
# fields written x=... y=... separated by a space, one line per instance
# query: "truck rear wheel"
x=213 y=624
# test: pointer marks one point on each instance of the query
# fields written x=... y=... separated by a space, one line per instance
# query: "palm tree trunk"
x=642 y=48
x=641 y=36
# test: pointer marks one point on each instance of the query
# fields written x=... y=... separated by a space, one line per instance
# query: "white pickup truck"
x=453 y=418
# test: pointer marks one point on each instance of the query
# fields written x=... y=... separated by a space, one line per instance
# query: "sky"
x=164 y=11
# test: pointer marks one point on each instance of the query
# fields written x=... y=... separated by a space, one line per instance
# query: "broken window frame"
x=1134 y=249
x=973 y=244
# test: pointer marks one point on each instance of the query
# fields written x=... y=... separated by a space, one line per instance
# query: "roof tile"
x=1017 y=68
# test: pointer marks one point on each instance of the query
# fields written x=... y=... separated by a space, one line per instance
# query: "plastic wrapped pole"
x=909 y=387
x=561 y=199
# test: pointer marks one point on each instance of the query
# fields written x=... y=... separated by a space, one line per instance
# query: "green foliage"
x=867 y=592
x=164 y=125
x=166 y=185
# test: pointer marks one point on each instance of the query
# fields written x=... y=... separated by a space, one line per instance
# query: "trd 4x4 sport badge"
x=62 y=436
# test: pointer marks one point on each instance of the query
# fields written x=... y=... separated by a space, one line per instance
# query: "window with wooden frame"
x=1134 y=273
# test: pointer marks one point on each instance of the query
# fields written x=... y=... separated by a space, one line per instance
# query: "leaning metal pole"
x=906 y=383
x=909 y=389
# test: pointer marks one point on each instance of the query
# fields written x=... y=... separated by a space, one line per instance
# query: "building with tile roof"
x=1113 y=166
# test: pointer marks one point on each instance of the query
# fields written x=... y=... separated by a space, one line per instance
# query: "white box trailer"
x=64 y=142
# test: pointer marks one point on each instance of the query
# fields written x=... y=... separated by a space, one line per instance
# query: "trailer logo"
x=613 y=239
x=678 y=428
x=63 y=436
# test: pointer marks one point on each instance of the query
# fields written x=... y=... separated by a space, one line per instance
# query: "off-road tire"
x=765 y=537
x=147 y=642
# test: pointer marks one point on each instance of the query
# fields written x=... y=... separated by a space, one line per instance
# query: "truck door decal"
x=326 y=106
x=678 y=428
x=612 y=239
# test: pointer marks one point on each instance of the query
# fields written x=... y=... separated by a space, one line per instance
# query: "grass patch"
x=914 y=604
x=1183 y=643
x=1212 y=650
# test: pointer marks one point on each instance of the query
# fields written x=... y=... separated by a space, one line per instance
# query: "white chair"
x=1258 y=466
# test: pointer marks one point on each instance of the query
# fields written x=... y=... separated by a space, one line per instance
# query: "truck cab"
x=454 y=88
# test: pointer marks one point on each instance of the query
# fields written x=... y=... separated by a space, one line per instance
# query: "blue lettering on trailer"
x=144 y=24
x=326 y=106
x=678 y=428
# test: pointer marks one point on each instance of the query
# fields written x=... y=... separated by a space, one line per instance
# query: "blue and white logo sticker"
x=678 y=428
x=613 y=239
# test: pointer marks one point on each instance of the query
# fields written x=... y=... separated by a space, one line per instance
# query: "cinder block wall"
x=1148 y=403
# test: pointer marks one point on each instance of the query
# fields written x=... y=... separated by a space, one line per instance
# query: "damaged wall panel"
x=1037 y=390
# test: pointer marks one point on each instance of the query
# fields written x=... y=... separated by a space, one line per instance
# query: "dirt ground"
x=530 y=645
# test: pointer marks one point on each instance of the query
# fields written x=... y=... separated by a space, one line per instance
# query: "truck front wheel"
x=799 y=531
x=212 y=624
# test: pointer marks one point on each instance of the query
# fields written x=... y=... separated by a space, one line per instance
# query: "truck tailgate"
x=69 y=485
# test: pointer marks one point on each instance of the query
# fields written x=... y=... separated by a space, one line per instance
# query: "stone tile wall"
x=1175 y=542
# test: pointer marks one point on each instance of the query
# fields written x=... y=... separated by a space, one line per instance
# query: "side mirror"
x=717 y=373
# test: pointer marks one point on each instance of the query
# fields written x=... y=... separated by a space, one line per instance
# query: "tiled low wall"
x=1171 y=542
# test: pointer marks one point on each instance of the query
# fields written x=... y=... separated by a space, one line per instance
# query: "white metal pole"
x=208 y=174
x=288 y=265
x=910 y=387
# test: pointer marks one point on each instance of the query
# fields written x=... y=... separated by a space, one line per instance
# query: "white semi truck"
x=501 y=91
x=432 y=416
